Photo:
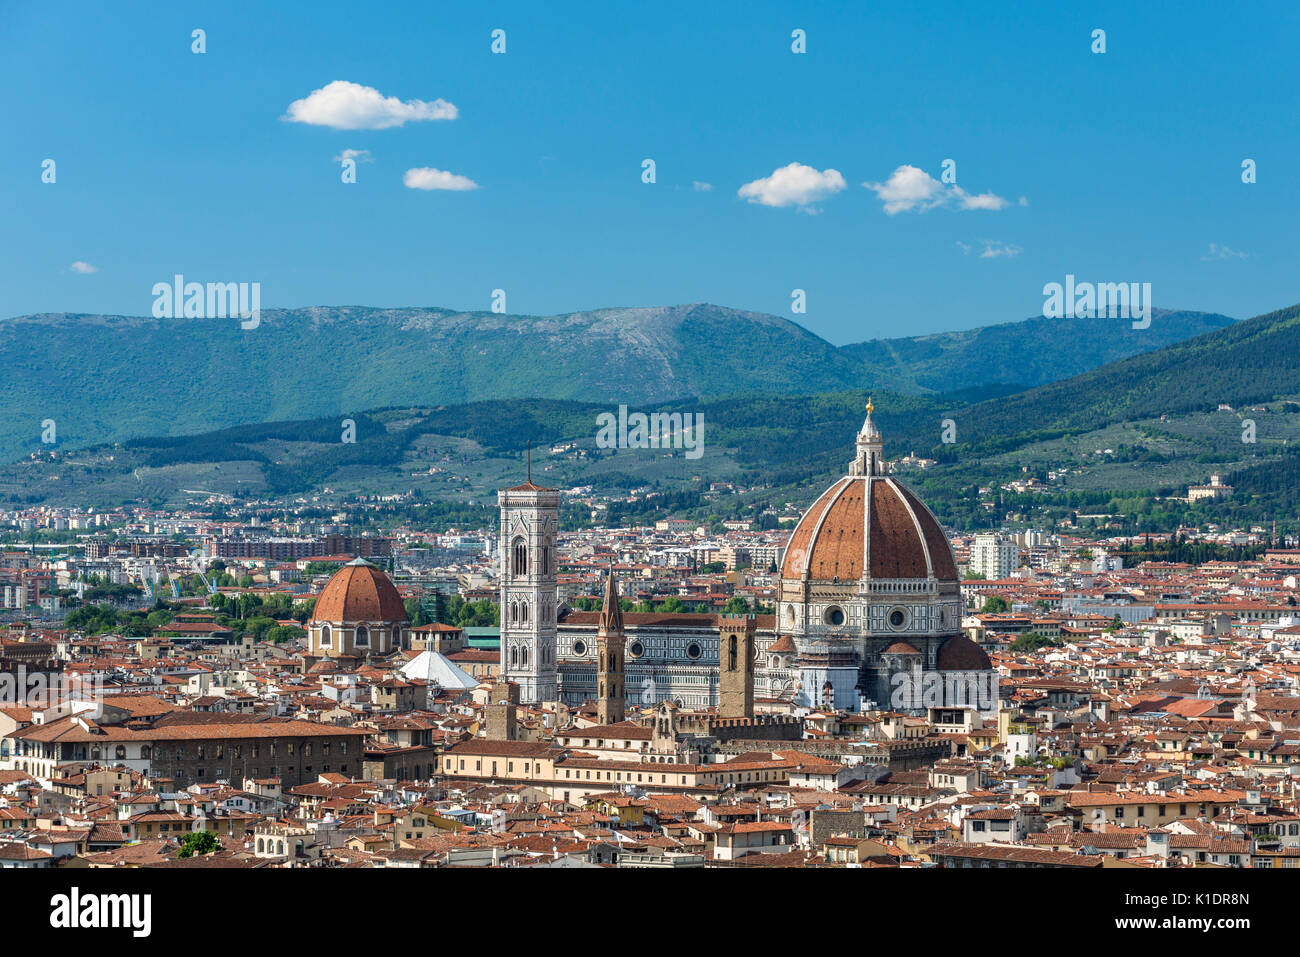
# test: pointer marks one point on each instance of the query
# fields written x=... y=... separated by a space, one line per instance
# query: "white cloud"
x=361 y=156
x=83 y=268
x=911 y=188
x=908 y=188
x=793 y=185
x=982 y=201
x=425 y=177
x=1222 y=252
x=993 y=249
x=351 y=106
x=700 y=187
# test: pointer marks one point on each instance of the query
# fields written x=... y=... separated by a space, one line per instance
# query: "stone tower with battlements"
x=736 y=666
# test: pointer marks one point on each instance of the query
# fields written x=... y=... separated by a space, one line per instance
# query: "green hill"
x=1253 y=361
x=1028 y=353
x=111 y=378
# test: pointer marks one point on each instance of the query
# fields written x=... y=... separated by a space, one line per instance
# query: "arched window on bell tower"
x=520 y=557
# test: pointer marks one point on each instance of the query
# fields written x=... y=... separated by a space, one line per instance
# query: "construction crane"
x=196 y=563
x=144 y=583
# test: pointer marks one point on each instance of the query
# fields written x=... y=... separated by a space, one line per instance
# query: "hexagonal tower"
x=610 y=645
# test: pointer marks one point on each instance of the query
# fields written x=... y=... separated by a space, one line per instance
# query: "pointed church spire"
x=611 y=614
x=610 y=703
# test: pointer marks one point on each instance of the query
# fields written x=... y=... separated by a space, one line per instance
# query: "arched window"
x=514 y=655
x=520 y=557
x=325 y=636
x=261 y=845
x=523 y=656
x=731 y=653
x=397 y=636
x=120 y=752
x=514 y=611
x=362 y=639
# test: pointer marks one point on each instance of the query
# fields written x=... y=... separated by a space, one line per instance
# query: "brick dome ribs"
x=905 y=538
x=359 y=592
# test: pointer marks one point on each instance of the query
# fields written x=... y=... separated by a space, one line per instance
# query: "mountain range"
x=1125 y=438
x=105 y=379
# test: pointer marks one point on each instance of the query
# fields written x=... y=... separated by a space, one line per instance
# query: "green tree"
x=1032 y=641
x=994 y=604
x=198 y=843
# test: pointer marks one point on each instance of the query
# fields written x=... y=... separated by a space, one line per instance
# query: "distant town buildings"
x=992 y=556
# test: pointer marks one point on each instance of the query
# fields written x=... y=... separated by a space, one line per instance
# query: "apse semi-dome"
x=961 y=654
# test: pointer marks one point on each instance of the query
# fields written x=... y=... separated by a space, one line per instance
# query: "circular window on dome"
x=693 y=650
x=580 y=648
x=834 y=616
x=898 y=618
x=636 y=649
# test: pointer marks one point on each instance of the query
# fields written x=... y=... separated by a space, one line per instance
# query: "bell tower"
x=529 y=594
x=736 y=666
x=610 y=645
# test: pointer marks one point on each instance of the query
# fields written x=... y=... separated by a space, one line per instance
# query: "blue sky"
x=1122 y=166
